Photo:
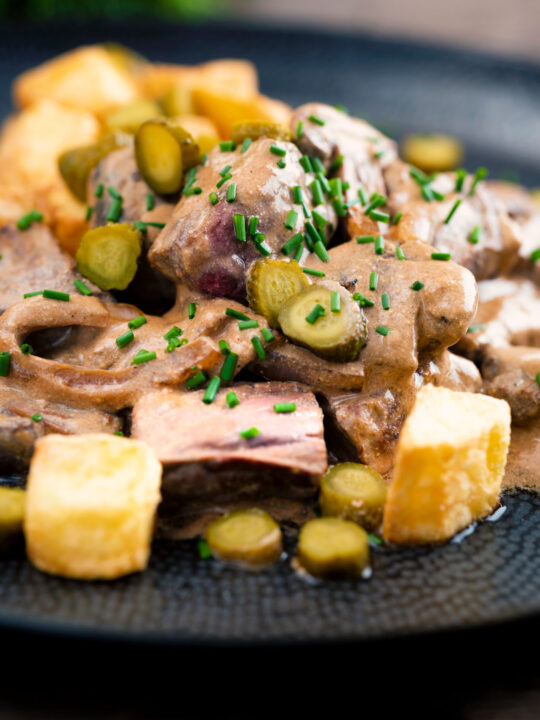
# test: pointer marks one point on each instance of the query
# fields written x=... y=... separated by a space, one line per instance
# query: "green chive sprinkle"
x=305 y=162
x=440 y=256
x=253 y=223
x=27 y=220
x=373 y=280
x=336 y=188
x=417 y=285
x=246 y=144
x=317 y=193
x=324 y=182
x=27 y=349
x=461 y=174
x=55 y=295
x=99 y=190
x=379 y=216
x=211 y=391
x=192 y=309
x=291 y=219
x=231 y=193
x=297 y=195
x=89 y=211
x=277 y=150
x=82 y=287
x=175 y=343
x=137 y=322
x=382 y=330
x=225 y=170
x=317 y=120
x=318 y=167
x=247 y=324
x=312 y=233
x=480 y=174
x=224 y=347
x=115 y=210
x=192 y=191
x=320 y=250
x=227 y=146
x=262 y=247
x=204 y=551
x=315 y=314
x=363 y=301
x=229 y=366
x=452 y=211
x=32 y=294
x=337 y=163
x=385 y=301
x=299 y=129
x=143 y=356
x=223 y=180
x=240 y=227
x=155 y=224
x=257 y=344
x=150 y=202
x=538 y=379
x=309 y=271
x=281 y=164
x=417 y=174
x=125 y=339
x=37 y=417
x=397 y=218
x=267 y=335
x=474 y=237
x=235 y=314
x=475 y=328
x=5 y=360
x=335 y=302
x=214 y=199
x=285 y=407
x=232 y=400
x=379 y=245
x=292 y=244
x=400 y=254
x=362 y=195
x=174 y=332
x=113 y=192
x=365 y=239
x=249 y=433
x=535 y=255
x=319 y=220
x=195 y=380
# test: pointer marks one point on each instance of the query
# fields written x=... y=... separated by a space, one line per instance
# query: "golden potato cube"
x=87 y=78
x=201 y=128
x=91 y=504
x=450 y=462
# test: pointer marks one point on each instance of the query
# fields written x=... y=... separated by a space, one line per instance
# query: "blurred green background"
x=90 y=9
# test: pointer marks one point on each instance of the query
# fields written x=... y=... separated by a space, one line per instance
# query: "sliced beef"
x=199 y=244
x=500 y=238
x=366 y=152
x=210 y=468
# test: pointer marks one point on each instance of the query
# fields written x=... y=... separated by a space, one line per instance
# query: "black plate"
x=493 y=574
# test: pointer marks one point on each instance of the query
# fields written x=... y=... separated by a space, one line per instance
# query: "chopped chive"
x=99 y=190
x=309 y=271
x=417 y=285
x=315 y=314
x=225 y=170
x=175 y=343
x=257 y=344
x=336 y=188
x=224 y=347
x=223 y=180
x=239 y=227
x=143 y=356
x=235 y=314
x=299 y=129
x=32 y=294
x=253 y=223
x=340 y=207
x=232 y=400
x=373 y=280
x=211 y=391
x=204 y=550
x=113 y=192
x=249 y=433
x=137 y=322
x=27 y=349
x=437 y=195
x=195 y=380
x=316 y=190
x=281 y=164
x=285 y=407
x=312 y=233
x=229 y=366
x=379 y=154
x=365 y=239
x=292 y=217
x=376 y=201
x=227 y=146
x=5 y=361
x=362 y=195
x=140 y=226
x=262 y=247
x=417 y=174
x=150 y=202
x=297 y=195
x=374 y=540
x=89 y=211
x=318 y=167
x=440 y=256
x=190 y=178
x=475 y=328
x=385 y=301
x=461 y=174
x=115 y=210
x=363 y=301
x=174 y=332
x=480 y=174
x=397 y=218
x=277 y=150
x=192 y=309
x=400 y=254
x=320 y=251
x=427 y=193
x=337 y=163
x=192 y=191
x=474 y=237
x=319 y=220
x=56 y=295
x=316 y=119
x=452 y=211
x=119 y=433
x=37 y=417
x=125 y=339
x=267 y=335
x=247 y=324
x=231 y=193
x=155 y=224
x=305 y=162
x=292 y=243
x=82 y=287
x=246 y=144
x=538 y=379
x=535 y=255
x=27 y=220
x=379 y=216
x=342 y=109
x=324 y=182
x=335 y=302
x=214 y=199
x=382 y=330
x=379 y=245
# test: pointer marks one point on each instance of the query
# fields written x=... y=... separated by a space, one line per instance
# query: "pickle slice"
x=259 y=128
x=310 y=318
x=12 y=502
x=163 y=152
x=249 y=536
x=130 y=117
x=178 y=101
x=108 y=255
x=353 y=492
x=270 y=283
x=75 y=165
x=332 y=547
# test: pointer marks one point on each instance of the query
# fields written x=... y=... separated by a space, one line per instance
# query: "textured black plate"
x=493 y=574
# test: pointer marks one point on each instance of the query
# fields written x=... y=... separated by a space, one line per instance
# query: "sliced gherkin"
x=331 y=547
x=163 y=152
x=270 y=283
x=12 y=502
x=75 y=165
x=353 y=492
x=251 y=537
x=324 y=318
x=254 y=129
x=108 y=255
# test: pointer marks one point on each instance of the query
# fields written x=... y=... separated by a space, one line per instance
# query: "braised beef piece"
x=199 y=244
x=209 y=467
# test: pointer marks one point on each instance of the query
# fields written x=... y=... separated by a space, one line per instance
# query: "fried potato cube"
x=91 y=504
x=87 y=78
x=450 y=462
x=201 y=128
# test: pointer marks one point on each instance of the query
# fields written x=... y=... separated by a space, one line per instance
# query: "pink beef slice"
x=209 y=468
x=199 y=245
